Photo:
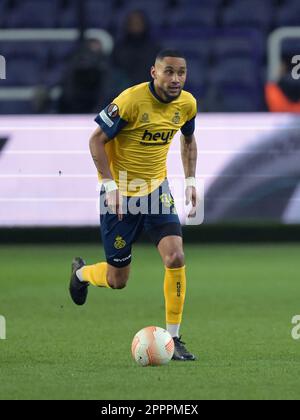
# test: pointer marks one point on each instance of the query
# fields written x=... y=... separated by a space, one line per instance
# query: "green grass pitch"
x=239 y=307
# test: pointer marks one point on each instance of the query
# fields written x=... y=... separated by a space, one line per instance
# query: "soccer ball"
x=152 y=346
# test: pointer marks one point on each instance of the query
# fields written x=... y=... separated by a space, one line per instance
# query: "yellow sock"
x=175 y=290
x=96 y=274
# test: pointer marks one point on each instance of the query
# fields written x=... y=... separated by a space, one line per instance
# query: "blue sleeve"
x=189 y=127
x=110 y=121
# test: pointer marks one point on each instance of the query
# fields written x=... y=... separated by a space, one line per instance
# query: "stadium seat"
x=235 y=71
x=197 y=72
x=269 y=4
x=3 y=12
x=288 y=14
x=98 y=13
x=150 y=7
x=59 y=54
x=197 y=90
x=291 y=47
x=68 y=16
x=237 y=46
x=25 y=60
x=193 y=40
x=53 y=75
x=198 y=48
x=199 y=3
x=241 y=101
x=155 y=12
x=15 y=107
x=233 y=99
x=23 y=72
x=33 y=14
x=241 y=14
x=61 y=50
x=25 y=49
x=197 y=16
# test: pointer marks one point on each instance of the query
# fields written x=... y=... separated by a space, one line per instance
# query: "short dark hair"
x=169 y=53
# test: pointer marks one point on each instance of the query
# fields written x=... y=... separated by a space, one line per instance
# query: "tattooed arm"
x=97 y=148
x=189 y=155
x=189 y=160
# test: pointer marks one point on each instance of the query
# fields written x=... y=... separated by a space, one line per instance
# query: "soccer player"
x=129 y=149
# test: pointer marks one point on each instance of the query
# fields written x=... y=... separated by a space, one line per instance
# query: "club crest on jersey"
x=119 y=243
x=112 y=110
x=145 y=118
x=176 y=119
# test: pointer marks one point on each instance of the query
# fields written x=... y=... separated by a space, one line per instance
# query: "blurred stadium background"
x=66 y=59
x=225 y=41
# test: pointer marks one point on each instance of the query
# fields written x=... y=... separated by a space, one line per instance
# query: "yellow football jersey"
x=141 y=127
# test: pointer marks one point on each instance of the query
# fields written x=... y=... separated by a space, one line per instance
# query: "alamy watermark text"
x=2 y=68
x=2 y=328
x=296 y=69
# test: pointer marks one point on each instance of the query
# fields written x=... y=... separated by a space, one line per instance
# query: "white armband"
x=190 y=182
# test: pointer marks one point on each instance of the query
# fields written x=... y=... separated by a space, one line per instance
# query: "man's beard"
x=172 y=98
